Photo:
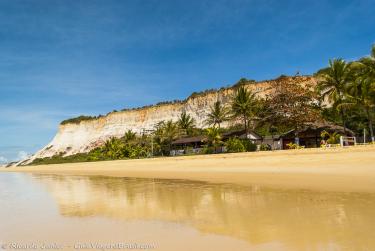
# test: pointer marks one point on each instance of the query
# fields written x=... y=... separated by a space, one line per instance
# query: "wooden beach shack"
x=309 y=136
x=195 y=144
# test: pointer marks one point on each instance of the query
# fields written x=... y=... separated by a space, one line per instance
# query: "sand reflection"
x=299 y=219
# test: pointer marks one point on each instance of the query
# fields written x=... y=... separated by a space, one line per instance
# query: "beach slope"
x=337 y=169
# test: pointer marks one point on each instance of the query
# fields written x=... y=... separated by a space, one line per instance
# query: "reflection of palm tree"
x=333 y=83
x=218 y=114
x=244 y=105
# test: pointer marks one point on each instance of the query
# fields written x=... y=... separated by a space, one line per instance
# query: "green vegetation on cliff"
x=79 y=119
x=241 y=82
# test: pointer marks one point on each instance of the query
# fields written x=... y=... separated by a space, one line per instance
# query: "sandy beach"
x=338 y=169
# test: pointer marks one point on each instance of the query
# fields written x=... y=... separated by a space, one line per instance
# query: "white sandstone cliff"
x=75 y=138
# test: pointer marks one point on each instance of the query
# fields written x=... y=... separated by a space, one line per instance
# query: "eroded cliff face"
x=77 y=138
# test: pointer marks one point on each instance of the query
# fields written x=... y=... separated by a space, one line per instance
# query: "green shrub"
x=292 y=145
x=189 y=150
x=208 y=150
x=78 y=120
x=235 y=145
x=249 y=146
x=265 y=147
x=330 y=138
x=137 y=152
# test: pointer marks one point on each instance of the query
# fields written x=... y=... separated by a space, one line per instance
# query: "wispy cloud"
x=30 y=117
x=3 y=160
x=22 y=155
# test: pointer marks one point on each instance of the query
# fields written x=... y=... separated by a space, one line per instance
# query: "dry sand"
x=349 y=169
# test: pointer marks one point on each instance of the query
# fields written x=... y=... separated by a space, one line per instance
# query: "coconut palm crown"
x=186 y=122
x=217 y=115
x=333 y=84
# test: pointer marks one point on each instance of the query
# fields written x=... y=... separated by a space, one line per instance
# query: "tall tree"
x=333 y=82
x=217 y=115
x=244 y=105
x=186 y=122
x=368 y=66
x=266 y=116
x=292 y=105
x=165 y=133
x=361 y=94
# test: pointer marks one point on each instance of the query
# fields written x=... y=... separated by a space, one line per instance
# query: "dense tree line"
x=349 y=87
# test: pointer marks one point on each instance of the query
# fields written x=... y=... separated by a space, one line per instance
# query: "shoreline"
x=350 y=169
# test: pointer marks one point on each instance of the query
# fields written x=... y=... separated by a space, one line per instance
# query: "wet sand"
x=349 y=169
x=180 y=214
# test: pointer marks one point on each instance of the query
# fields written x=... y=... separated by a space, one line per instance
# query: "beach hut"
x=188 y=145
x=191 y=145
x=251 y=135
x=309 y=136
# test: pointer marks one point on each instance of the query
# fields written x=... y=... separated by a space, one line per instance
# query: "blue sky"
x=60 y=59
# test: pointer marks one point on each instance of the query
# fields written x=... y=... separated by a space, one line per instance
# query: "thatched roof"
x=239 y=133
x=189 y=140
x=320 y=126
x=202 y=138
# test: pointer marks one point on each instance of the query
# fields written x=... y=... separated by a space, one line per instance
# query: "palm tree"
x=361 y=93
x=129 y=136
x=113 y=148
x=244 y=105
x=170 y=130
x=333 y=83
x=186 y=122
x=217 y=115
x=213 y=137
x=368 y=65
x=330 y=138
x=361 y=90
x=165 y=133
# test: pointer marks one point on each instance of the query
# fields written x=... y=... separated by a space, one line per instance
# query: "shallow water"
x=86 y=213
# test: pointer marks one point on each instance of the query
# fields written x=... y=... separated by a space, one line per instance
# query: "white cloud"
x=3 y=160
x=22 y=155
x=31 y=116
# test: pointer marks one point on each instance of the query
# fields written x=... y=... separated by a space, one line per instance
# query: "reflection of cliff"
x=302 y=220
x=82 y=137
